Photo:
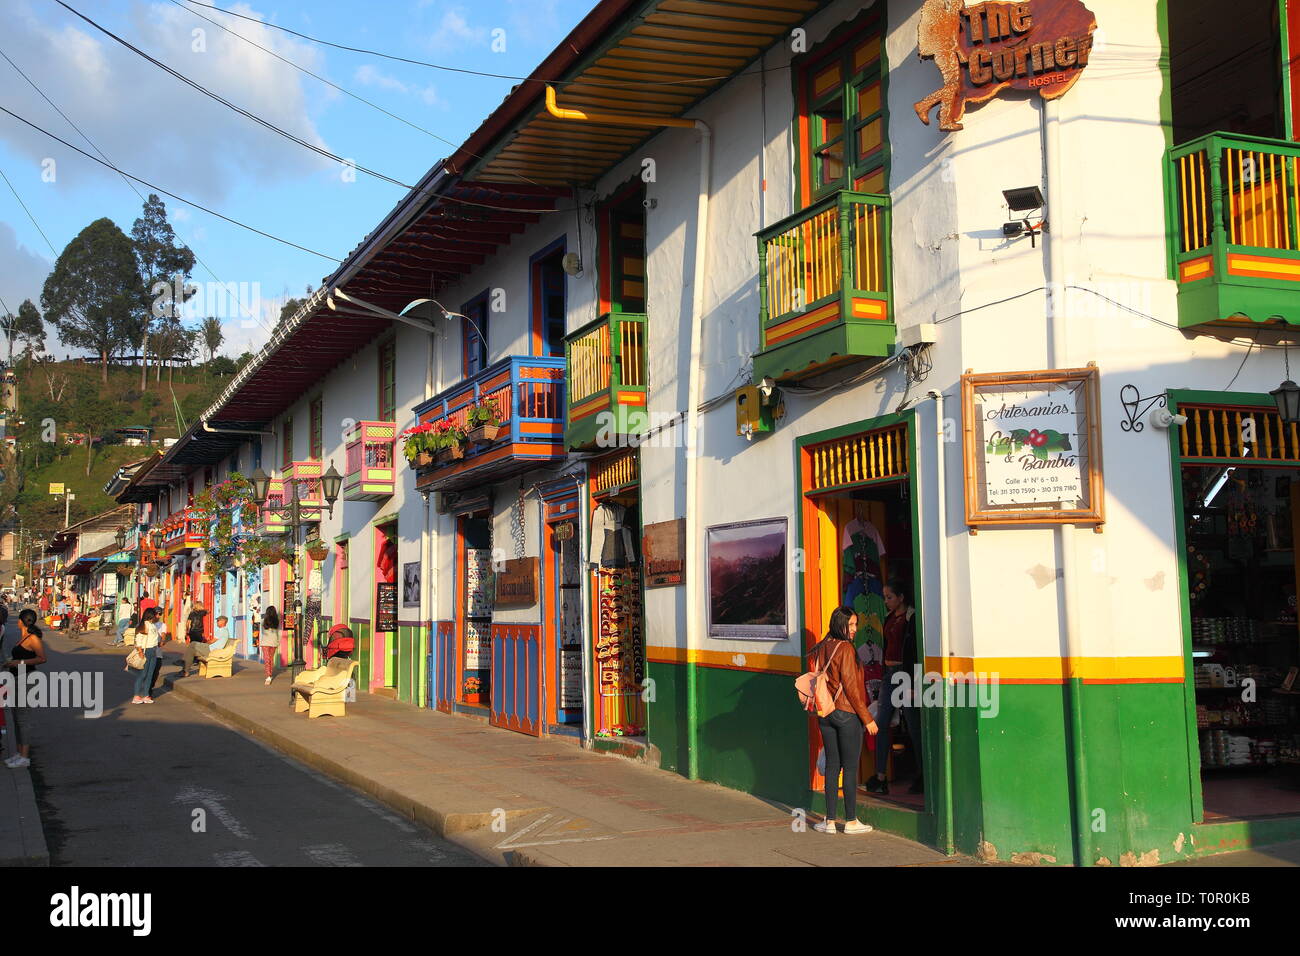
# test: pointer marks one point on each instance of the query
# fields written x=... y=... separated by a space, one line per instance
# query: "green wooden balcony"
x=605 y=376
x=1234 y=231
x=825 y=287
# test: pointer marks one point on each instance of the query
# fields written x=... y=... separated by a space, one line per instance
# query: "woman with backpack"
x=842 y=729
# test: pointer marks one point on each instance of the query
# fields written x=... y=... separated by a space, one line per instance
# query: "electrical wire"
x=145 y=182
x=319 y=150
x=29 y=212
x=67 y=119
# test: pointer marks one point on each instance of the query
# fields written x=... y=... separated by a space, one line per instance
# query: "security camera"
x=650 y=203
x=1163 y=418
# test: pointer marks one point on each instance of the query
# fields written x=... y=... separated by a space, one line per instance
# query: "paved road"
x=123 y=789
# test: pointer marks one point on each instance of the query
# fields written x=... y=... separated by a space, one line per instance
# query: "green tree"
x=213 y=335
x=93 y=296
x=29 y=329
x=164 y=266
x=94 y=416
x=172 y=342
x=222 y=366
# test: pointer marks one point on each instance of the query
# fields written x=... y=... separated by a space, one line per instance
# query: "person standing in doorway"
x=900 y=655
x=146 y=638
x=842 y=730
x=269 y=640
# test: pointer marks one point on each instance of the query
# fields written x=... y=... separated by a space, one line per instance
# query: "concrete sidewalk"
x=518 y=800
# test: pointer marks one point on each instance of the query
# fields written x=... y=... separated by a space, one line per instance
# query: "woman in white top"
x=146 y=638
x=269 y=640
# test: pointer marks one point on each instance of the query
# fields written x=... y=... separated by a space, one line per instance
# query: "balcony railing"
x=528 y=393
x=1234 y=230
x=274 y=517
x=825 y=286
x=304 y=476
x=182 y=530
x=370 y=469
x=606 y=374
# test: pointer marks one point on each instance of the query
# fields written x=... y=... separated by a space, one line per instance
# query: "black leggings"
x=842 y=739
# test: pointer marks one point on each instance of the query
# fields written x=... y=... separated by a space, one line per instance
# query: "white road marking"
x=236 y=858
x=512 y=842
x=214 y=803
x=331 y=854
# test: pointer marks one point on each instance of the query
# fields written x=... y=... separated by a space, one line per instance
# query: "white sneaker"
x=826 y=826
x=268 y=681
x=857 y=826
x=16 y=761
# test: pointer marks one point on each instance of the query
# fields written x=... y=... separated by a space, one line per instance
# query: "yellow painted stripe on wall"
x=772 y=663
x=1056 y=670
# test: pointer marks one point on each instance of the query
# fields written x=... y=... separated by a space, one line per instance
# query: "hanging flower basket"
x=317 y=551
x=484 y=434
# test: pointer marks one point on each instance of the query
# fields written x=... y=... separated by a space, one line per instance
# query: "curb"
x=33 y=850
x=444 y=823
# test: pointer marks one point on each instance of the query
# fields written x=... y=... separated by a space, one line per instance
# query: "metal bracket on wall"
x=1135 y=406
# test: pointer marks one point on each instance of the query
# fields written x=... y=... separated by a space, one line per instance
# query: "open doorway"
x=859 y=536
x=1225 y=68
x=474 y=545
x=1242 y=525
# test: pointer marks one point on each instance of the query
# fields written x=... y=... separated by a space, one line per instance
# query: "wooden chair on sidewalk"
x=218 y=663
x=320 y=692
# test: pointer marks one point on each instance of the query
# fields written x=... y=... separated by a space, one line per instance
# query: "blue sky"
x=153 y=126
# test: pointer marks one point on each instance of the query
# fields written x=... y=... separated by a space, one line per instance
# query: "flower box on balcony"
x=606 y=381
x=526 y=396
x=1234 y=231
x=450 y=453
x=371 y=470
x=484 y=434
x=825 y=287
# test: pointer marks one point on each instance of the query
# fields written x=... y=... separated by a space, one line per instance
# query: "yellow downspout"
x=615 y=119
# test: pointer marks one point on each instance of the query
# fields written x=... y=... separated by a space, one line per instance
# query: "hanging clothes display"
x=862 y=548
x=611 y=540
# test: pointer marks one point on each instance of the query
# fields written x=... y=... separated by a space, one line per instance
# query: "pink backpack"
x=813 y=690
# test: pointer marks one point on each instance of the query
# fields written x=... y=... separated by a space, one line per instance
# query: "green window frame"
x=388 y=381
x=842 y=122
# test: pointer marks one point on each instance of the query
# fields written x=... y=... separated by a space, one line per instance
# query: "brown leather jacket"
x=844 y=674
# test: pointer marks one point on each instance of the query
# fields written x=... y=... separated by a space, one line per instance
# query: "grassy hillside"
x=56 y=397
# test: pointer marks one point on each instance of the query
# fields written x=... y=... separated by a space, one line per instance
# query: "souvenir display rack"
x=620 y=653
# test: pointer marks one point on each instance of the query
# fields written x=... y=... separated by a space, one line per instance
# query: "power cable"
x=188 y=202
x=28 y=211
x=319 y=150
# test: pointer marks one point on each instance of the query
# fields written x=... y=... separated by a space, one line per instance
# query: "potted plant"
x=484 y=421
x=418 y=445
x=449 y=441
x=317 y=550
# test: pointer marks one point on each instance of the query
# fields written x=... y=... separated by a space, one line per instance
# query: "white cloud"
x=149 y=123
x=22 y=271
x=454 y=32
x=368 y=75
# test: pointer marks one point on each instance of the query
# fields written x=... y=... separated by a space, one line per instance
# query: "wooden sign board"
x=517 y=583
x=663 y=545
x=1032 y=448
x=982 y=49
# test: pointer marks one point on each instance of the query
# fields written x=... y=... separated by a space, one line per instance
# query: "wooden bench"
x=320 y=692
x=218 y=663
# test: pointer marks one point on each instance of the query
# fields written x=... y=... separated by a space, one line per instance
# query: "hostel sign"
x=1032 y=448
x=983 y=48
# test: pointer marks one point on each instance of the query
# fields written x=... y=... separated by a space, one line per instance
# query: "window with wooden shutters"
x=317 y=441
x=388 y=381
x=286 y=443
x=840 y=92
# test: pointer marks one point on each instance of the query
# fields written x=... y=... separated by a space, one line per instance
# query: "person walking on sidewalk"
x=27 y=654
x=146 y=638
x=193 y=638
x=842 y=730
x=269 y=640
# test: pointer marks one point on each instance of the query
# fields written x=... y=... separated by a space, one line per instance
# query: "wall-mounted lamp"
x=1026 y=204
